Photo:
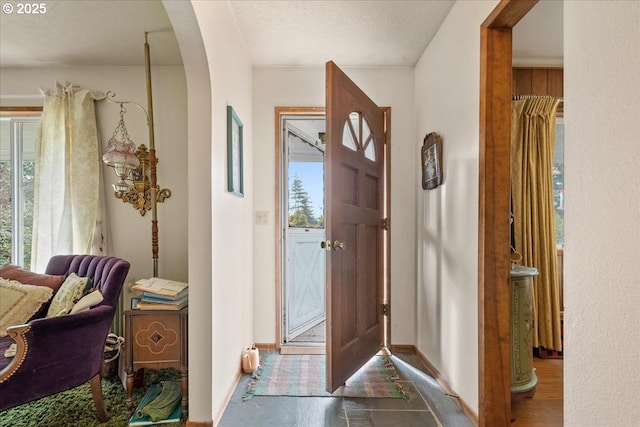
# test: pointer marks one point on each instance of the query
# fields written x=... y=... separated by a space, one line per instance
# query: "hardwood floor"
x=546 y=407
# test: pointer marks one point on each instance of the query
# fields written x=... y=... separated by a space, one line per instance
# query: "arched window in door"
x=356 y=135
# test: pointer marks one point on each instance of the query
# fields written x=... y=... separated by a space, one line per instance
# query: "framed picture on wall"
x=431 y=155
x=235 y=178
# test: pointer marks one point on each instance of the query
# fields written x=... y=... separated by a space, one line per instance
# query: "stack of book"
x=160 y=294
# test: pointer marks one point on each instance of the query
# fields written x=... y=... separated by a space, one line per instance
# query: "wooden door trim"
x=387 y=246
x=494 y=370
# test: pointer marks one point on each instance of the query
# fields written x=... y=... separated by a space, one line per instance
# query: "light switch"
x=262 y=217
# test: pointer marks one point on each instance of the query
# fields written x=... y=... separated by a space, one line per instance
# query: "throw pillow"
x=19 y=302
x=15 y=272
x=86 y=302
x=73 y=288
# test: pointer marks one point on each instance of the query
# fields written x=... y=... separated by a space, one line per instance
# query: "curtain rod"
x=517 y=97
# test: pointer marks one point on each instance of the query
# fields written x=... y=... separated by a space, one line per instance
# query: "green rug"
x=304 y=375
x=74 y=408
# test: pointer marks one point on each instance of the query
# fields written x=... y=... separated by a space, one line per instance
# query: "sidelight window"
x=17 y=169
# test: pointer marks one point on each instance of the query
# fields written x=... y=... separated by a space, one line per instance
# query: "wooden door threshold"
x=303 y=348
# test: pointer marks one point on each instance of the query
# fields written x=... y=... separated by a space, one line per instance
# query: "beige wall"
x=198 y=137
x=447 y=102
x=130 y=236
x=231 y=242
x=306 y=87
x=602 y=213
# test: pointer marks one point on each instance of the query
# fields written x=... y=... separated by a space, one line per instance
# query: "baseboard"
x=221 y=410
x=403 y=348
x=199 y=424
x=266 y=346
x=431 y=370
x=227 y=398
x=259 y=346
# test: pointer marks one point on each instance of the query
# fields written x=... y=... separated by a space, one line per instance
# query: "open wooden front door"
x=355 y=206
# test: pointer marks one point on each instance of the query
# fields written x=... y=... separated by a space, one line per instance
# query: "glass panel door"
x=304 y=281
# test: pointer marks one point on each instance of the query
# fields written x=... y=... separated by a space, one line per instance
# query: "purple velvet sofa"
x=59 y=353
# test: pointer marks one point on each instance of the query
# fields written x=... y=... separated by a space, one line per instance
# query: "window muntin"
x=356 y=135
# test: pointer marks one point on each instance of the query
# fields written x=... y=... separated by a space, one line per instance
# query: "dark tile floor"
x=429 y=406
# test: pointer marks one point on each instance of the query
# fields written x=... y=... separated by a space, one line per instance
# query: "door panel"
x=355 y=173
x=305 y=281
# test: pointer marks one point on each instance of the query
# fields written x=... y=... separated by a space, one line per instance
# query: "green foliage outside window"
x=301 y=212
x=5 y=212
x=28 y=171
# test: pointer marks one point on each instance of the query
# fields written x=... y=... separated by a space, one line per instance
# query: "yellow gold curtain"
x=533 y=124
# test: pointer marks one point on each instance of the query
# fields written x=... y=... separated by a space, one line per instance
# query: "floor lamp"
x=136 y=166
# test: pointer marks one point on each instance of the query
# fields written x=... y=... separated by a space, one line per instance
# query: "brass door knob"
x=326 y=245
x=337 y=244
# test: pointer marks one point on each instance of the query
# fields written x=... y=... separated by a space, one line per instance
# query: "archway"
x=198 y=141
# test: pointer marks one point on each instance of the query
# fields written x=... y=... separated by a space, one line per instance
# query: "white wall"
x=602 y=216
x=231 y=284
x=306 y=87
x=130 y=232
x=194 y=58
x=447 y=102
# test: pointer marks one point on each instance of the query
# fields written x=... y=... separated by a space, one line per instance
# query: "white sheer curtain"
x=68 y=218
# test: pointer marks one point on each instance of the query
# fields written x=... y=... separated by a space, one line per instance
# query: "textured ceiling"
x=276 y=33
x=286 y=33
x=88 y=33
x=351 y=33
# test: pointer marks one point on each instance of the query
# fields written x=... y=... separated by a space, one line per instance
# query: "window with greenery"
x=558 y=182
x=301 y=211
x=306 y=184
x=17 y=167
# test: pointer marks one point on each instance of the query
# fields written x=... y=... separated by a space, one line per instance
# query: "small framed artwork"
x=235 y=175
x=432 y=173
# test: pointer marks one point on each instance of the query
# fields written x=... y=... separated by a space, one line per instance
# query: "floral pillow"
x=73 y=288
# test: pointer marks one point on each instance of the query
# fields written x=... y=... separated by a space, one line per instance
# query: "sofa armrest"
x=18 y=334
x=68 y=323
x=59 y=341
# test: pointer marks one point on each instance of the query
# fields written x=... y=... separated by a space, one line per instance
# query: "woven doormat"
x=304 y=375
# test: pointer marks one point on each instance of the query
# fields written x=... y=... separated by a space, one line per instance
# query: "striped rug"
x=304 y=375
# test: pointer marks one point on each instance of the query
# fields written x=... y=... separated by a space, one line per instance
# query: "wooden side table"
x=156 y=339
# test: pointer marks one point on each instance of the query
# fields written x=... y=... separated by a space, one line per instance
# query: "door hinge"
x=385 y=309
x=384 y=223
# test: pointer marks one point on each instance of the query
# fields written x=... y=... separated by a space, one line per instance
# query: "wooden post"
x=493 y=217
x=152 y=160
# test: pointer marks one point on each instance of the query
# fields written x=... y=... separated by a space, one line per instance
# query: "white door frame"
x=300 y=242
x=280 y=113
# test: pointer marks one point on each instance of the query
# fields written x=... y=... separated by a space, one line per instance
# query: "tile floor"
x=429 y=406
